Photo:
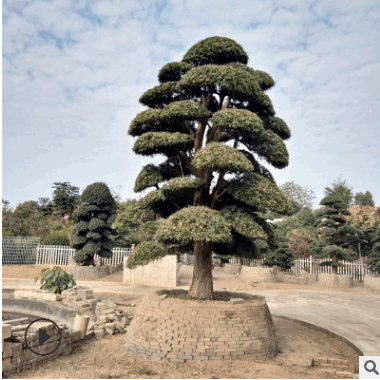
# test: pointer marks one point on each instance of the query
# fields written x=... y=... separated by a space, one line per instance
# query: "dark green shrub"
x=94 y=217
x=56 y=238
x=56 y=280
x=282 y=258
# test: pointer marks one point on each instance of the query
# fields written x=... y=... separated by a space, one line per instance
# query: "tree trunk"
x=240 y=261
x=202 y=284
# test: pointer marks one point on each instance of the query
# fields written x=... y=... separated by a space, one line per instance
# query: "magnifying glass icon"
x=373 y=369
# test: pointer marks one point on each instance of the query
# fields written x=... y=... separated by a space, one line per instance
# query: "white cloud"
x=67 y=111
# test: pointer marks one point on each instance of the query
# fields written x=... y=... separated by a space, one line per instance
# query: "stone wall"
x=257 y=274
x=158 y=273
x=185 y=271
x=88 y=273
x=372 y=283
x=289 y=278
x=180 y=330
x=17 y=357
x=332 y=280
x=232 y=269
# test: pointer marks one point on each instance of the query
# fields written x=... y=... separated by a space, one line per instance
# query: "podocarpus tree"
x=94 y=217
x=209 y=98
x=334 y=232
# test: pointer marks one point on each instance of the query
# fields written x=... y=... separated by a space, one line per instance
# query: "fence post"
x=38 y=252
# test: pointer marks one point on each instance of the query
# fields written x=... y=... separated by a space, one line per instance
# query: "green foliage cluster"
x=282 y=258
x=94 y=218
x=364 y=199
x=56 y=280
x=56 y=238
x=334 y=232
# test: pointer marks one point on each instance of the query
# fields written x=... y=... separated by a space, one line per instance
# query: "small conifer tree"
x=334 y=232
x=93 y=230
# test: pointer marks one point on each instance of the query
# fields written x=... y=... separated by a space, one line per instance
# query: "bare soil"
x=107 y=358
x=221 y=281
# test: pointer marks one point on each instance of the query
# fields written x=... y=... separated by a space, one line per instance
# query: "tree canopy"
x=65 y=198
x=334 y=232
x=366 y=199
x=299 y=196
x=341 y=189
x=208 y=100
x=94 y=217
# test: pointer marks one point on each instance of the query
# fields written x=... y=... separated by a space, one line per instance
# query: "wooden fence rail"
x=61 y=255
x=354 y=268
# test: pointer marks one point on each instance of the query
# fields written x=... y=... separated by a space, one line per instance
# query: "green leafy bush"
x=56 y=280
x=56 y=238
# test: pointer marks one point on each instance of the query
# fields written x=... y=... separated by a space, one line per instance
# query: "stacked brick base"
x=179 y=330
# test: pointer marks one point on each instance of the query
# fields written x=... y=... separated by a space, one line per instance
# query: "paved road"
x=356 y=318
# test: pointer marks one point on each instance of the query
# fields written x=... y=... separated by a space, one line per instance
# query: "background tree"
x=299 y=243
x=374 y=256
x=94 y=218
x=131 y=231
x=366 y=199
x=343 y=190
x=210 y=98
x=299 y=196
x=45 y=206
x=282 y=258
x=334 y=232
x=65 y=198
x=24 y=220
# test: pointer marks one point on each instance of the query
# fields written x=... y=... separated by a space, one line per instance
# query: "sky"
x=73 y=72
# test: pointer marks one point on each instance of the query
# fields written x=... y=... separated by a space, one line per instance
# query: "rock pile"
x=81 y=299
x=108 y=320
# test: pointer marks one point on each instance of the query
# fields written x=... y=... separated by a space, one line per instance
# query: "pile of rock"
x=104 y=316
x=108 y=320
x=81 y=299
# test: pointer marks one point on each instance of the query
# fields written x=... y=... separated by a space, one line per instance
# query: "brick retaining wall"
x=372 y=283
x=185 y=271
x=159 y=273
x=88 y=273
x=332 y=280
x=257 y=274
x=17 y=357
x=232 y=269
x=180 y=330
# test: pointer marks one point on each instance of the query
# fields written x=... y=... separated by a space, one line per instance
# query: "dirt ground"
x=221 y=281
x=107 y=358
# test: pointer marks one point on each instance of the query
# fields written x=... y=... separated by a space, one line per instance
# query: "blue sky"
x=73 y=72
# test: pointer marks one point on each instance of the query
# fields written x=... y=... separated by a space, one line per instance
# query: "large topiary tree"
x=335 y=234
x=208 y=99
x=94 y=217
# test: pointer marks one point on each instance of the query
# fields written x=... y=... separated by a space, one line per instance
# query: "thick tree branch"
x=194 y=171
x=226 y=104
x=192 y=134
x=180 y=164
x=217 y=188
